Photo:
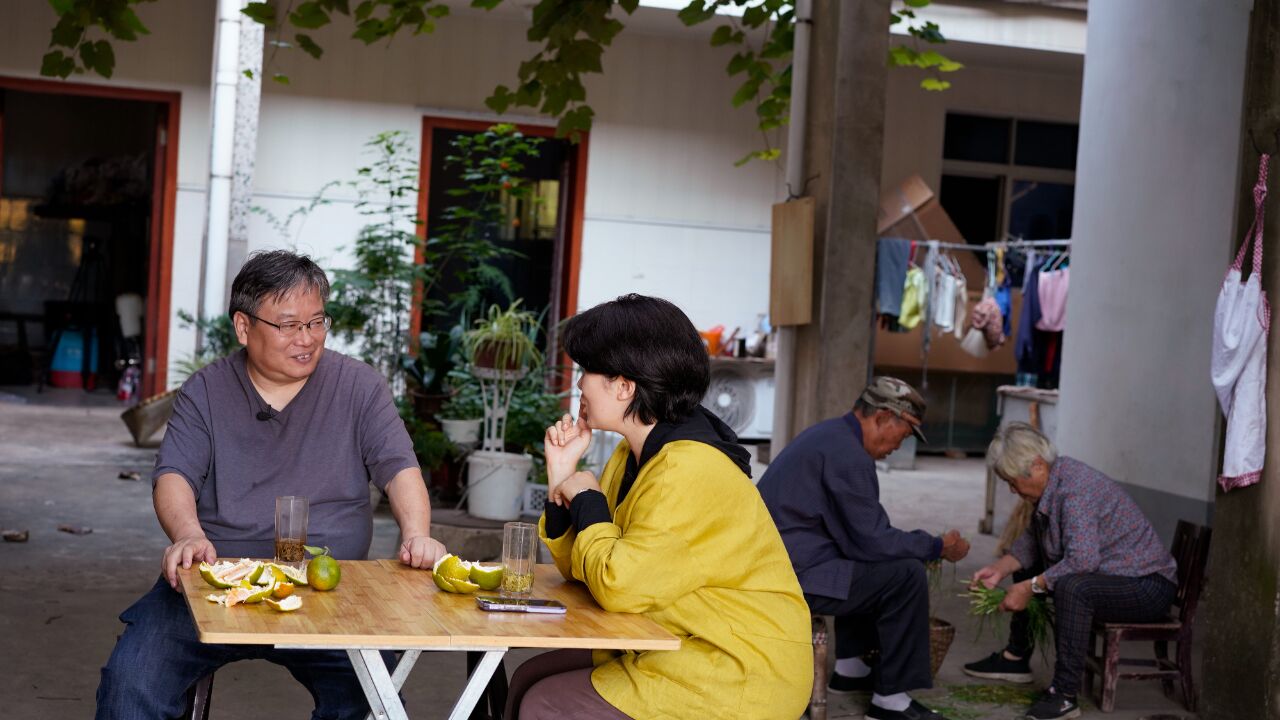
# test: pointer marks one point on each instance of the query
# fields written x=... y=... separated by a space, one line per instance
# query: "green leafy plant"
x=984 y=602
x=504 y=339
x=465 y=400
x=219 y=340
x=370 y=302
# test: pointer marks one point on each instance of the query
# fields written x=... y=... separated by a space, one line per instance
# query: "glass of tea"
x=519 y=555
x=291 y=530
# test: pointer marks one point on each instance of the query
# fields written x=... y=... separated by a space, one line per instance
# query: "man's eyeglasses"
x=318 y=326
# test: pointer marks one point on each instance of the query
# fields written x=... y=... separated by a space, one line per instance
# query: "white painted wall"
x=1155 y=208
x=666 y=211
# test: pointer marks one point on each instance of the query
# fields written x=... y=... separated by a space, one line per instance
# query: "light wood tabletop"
x=383 y=604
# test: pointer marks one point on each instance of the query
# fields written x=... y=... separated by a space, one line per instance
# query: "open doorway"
x=87 y=184
x=546 y=234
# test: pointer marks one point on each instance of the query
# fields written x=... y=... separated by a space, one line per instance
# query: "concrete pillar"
x=1153 y=230
x=1242 y=645
x=844 y=141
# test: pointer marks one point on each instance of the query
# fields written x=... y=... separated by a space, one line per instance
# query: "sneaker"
x=999 y=667
x=914 y=711
x=1052 y=706
x=845 y=685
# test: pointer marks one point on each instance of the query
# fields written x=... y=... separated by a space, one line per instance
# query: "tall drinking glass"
x=291 y=530
x=519 y=555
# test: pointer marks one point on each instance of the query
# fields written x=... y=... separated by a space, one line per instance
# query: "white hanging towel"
x=1241 y=323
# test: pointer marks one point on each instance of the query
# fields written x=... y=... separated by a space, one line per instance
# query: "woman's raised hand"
x=565 y=443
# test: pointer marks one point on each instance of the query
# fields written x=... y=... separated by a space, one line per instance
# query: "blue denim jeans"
x=159 y=657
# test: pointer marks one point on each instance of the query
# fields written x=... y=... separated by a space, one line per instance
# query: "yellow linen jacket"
x=693 y=548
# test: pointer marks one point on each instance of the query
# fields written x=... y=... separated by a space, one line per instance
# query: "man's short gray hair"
x=1015 y=447
x=274 y=274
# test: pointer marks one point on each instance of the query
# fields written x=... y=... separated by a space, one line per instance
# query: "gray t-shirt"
x=338 y=434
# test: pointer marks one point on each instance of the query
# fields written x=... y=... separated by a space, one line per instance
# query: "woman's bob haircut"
x=649 y=341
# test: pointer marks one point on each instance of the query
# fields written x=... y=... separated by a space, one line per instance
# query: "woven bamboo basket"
x=941 y=633
x=148 y=416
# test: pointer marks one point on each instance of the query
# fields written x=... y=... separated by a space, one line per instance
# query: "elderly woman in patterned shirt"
x=1088 y=546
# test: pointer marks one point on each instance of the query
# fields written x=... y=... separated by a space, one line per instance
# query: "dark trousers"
x=159 y=656
x=1079 y=600
x=1020 y=642
x=887 y=609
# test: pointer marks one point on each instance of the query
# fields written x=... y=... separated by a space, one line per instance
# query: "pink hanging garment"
x=1241 y=323
x=1052 y=287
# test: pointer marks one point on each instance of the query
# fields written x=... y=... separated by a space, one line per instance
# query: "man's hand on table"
x=421 y=551
x=954 y=547
x=184 y=551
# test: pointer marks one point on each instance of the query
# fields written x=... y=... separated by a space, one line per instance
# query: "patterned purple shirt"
x=1086 y=523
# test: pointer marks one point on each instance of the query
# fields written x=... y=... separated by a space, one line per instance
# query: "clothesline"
x=1002 y=244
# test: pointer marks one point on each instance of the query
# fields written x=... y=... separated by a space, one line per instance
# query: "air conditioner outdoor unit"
x=741 y=394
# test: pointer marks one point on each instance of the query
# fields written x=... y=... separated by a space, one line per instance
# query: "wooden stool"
x=818 y=700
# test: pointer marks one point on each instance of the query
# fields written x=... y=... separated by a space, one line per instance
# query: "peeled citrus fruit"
x=442 y=582
x=488 y=577
x=323 y=572
x=464 y=586
x=289 y=604
x=281 y=590
x=453 y=567
x=227 y=574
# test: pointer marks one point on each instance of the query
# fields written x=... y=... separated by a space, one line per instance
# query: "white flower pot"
x=464 y=433
x=495 y=484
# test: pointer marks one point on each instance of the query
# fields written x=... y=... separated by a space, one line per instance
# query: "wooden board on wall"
x=791 y=266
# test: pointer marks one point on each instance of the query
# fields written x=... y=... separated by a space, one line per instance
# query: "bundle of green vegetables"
x=985 y=602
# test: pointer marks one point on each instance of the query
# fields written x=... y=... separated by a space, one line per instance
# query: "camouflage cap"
x=898 y=397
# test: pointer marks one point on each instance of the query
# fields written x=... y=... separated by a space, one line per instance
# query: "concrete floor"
x=60 y=455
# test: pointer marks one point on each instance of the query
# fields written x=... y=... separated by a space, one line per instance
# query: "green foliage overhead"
x=573 y=35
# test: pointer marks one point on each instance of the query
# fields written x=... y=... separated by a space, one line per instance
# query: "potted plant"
x=501 y=349
x=463 y=413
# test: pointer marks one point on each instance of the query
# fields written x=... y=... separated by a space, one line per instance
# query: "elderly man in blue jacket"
x=824 y=496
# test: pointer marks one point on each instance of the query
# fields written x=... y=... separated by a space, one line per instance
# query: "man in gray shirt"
x=282 y=416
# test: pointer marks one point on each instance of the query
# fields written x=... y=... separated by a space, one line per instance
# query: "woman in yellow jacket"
x=674 y=529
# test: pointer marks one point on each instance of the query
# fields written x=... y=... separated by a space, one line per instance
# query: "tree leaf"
x=739 y=62
x=281 y=78
x=309 y=15
x=629 y=5
x=67 y=32
x=56 y=64
x=309 y=46
x=485 y=4
x=364 y=10
x=500 y=100
x=62 y=7
x=932 y=83
x=723 y=35
x=438 y=11
x=916 y=3
x=697 y=11
x=261 y=12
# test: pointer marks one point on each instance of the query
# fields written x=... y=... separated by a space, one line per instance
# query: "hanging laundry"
x=1241 y=324
x=944 y=300
x=961 y=303
x=1024 y=347
x=1052 y=287
x=1004 y=298
x=914 y=296
x=892 y=255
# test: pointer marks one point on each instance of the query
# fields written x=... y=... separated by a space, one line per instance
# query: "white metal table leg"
x=476 y=685
x=403 y=668
x=384 y=700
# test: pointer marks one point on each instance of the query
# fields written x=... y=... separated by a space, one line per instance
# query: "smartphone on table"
x=532 y=605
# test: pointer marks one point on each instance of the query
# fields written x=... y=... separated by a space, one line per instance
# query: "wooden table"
x=383 y=605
